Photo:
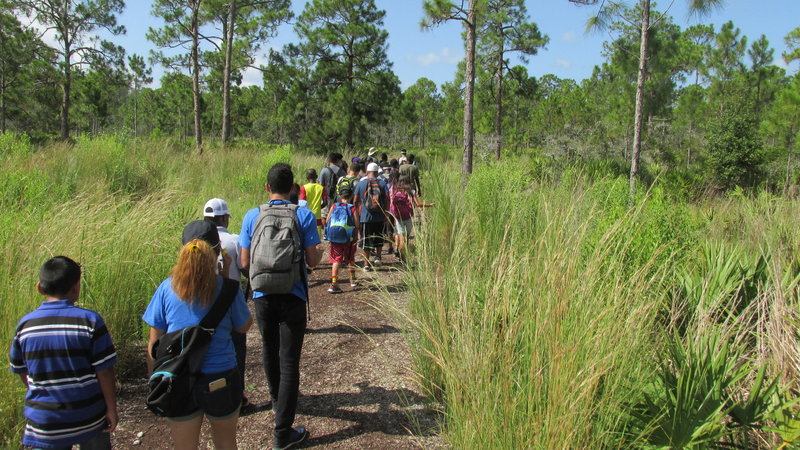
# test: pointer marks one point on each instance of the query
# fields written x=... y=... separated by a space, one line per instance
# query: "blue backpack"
x=341 y=224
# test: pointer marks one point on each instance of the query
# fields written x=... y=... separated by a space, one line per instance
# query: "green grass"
x=118 y=207
x=544 y=313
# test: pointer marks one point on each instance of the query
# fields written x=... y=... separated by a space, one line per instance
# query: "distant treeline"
x=715 y=102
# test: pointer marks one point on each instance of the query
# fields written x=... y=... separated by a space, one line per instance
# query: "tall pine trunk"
x=2 y=104
x=198 y=132
x=226 y=75
x=498 y=115
x=66 y=89
x=469 y=93
x=639 y=112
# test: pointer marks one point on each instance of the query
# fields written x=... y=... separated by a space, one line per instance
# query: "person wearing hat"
x=403 y=159
x=371 y=155
x=371 y=223
x=183 y=300
x=217 y=213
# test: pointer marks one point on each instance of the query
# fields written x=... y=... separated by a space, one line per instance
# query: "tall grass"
x=542 y=314
x=118 y=207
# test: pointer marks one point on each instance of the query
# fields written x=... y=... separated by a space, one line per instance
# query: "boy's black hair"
x=358 y=167
x=394 y=164
x=58 y=275
x=280 y=178
x=384 y=157
x=311 y=175
x=411 y=158
x=294 y=194
x=346 y=194
x=343 y=165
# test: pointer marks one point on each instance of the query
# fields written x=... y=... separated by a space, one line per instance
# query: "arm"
x=244 y=260
x=155 y=333
x=243 y=329
x=109 y=389
x=419 y=204
x=313 y=256
x=24 y=377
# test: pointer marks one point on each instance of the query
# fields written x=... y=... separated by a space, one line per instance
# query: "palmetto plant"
x=690 y=400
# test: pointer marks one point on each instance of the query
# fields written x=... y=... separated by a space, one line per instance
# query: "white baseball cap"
x=216 y=207
x=373 y=167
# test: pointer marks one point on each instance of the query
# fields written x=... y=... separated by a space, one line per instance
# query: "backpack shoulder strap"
x=221 y=305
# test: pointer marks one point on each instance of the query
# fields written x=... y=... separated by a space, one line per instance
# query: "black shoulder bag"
x=178 y=356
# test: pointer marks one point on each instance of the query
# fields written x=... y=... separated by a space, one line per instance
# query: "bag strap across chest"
x=222 y=304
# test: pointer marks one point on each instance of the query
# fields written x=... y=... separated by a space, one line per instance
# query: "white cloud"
x=252 y=76
x=445 y=55
x=569 y=36
x=563 y=63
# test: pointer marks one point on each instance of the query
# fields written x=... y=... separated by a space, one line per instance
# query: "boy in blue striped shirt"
x=65 y=357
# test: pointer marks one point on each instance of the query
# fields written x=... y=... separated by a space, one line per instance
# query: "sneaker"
x=376 y=262
x=334 y=289
x=296 y=438
x=367 y=267
x=353 y=283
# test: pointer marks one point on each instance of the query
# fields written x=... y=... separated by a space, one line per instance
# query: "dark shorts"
x=222 y=403
x=371 y=235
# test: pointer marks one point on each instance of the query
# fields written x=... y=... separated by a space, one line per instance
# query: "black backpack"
x=330 y=187
x=178 y=356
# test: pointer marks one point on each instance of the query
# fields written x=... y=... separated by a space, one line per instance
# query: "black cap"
x=200 y=229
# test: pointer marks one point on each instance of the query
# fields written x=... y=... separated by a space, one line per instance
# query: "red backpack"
x=401 y=206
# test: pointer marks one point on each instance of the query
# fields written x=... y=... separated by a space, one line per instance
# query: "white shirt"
x=230 y=242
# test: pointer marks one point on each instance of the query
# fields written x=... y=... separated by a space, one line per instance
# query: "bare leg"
x=335 y=270
x=186 y=434
x=223 y=432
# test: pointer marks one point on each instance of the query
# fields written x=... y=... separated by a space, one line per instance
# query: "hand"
x=111 y=420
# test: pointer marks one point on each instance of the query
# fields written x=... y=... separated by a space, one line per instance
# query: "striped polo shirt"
x=61 y=347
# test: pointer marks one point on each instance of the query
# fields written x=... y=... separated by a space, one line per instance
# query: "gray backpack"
x=276 y=252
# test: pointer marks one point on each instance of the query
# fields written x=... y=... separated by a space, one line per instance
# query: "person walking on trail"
x=372 y=204
x=53 y=345
x=313 y=193
x=217 y=213
x=350 y=180
x=342 y=232
x=328 y=177
x=371 y=155
x=183 y=300
x=269 y=234
x=403 y=202
x=411 y=171
x=403 y=158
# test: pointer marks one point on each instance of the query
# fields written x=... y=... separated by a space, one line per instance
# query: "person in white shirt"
x=216 y=211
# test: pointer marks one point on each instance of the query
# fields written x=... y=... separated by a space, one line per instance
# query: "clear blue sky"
x=571 y=52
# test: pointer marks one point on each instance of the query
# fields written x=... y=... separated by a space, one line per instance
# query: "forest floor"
x=356 y=382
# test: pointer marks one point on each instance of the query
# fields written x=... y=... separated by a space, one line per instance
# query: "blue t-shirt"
x=308 y=237
x=168 y=312
x=361 y=188
x=61 y=347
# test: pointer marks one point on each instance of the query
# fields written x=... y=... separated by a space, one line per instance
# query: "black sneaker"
x=296 y=438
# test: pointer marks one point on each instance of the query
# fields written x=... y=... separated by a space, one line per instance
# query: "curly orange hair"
x=194 y=277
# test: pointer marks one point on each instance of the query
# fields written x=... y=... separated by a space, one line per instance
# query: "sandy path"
x=355 y=389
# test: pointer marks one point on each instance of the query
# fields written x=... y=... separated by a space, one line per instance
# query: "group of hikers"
x=65 y=356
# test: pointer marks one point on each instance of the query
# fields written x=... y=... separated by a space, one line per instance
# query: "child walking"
x=313 y=193
x=342 y=233
x=65 y=357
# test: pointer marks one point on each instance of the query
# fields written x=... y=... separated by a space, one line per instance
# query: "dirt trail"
x=355 y=388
